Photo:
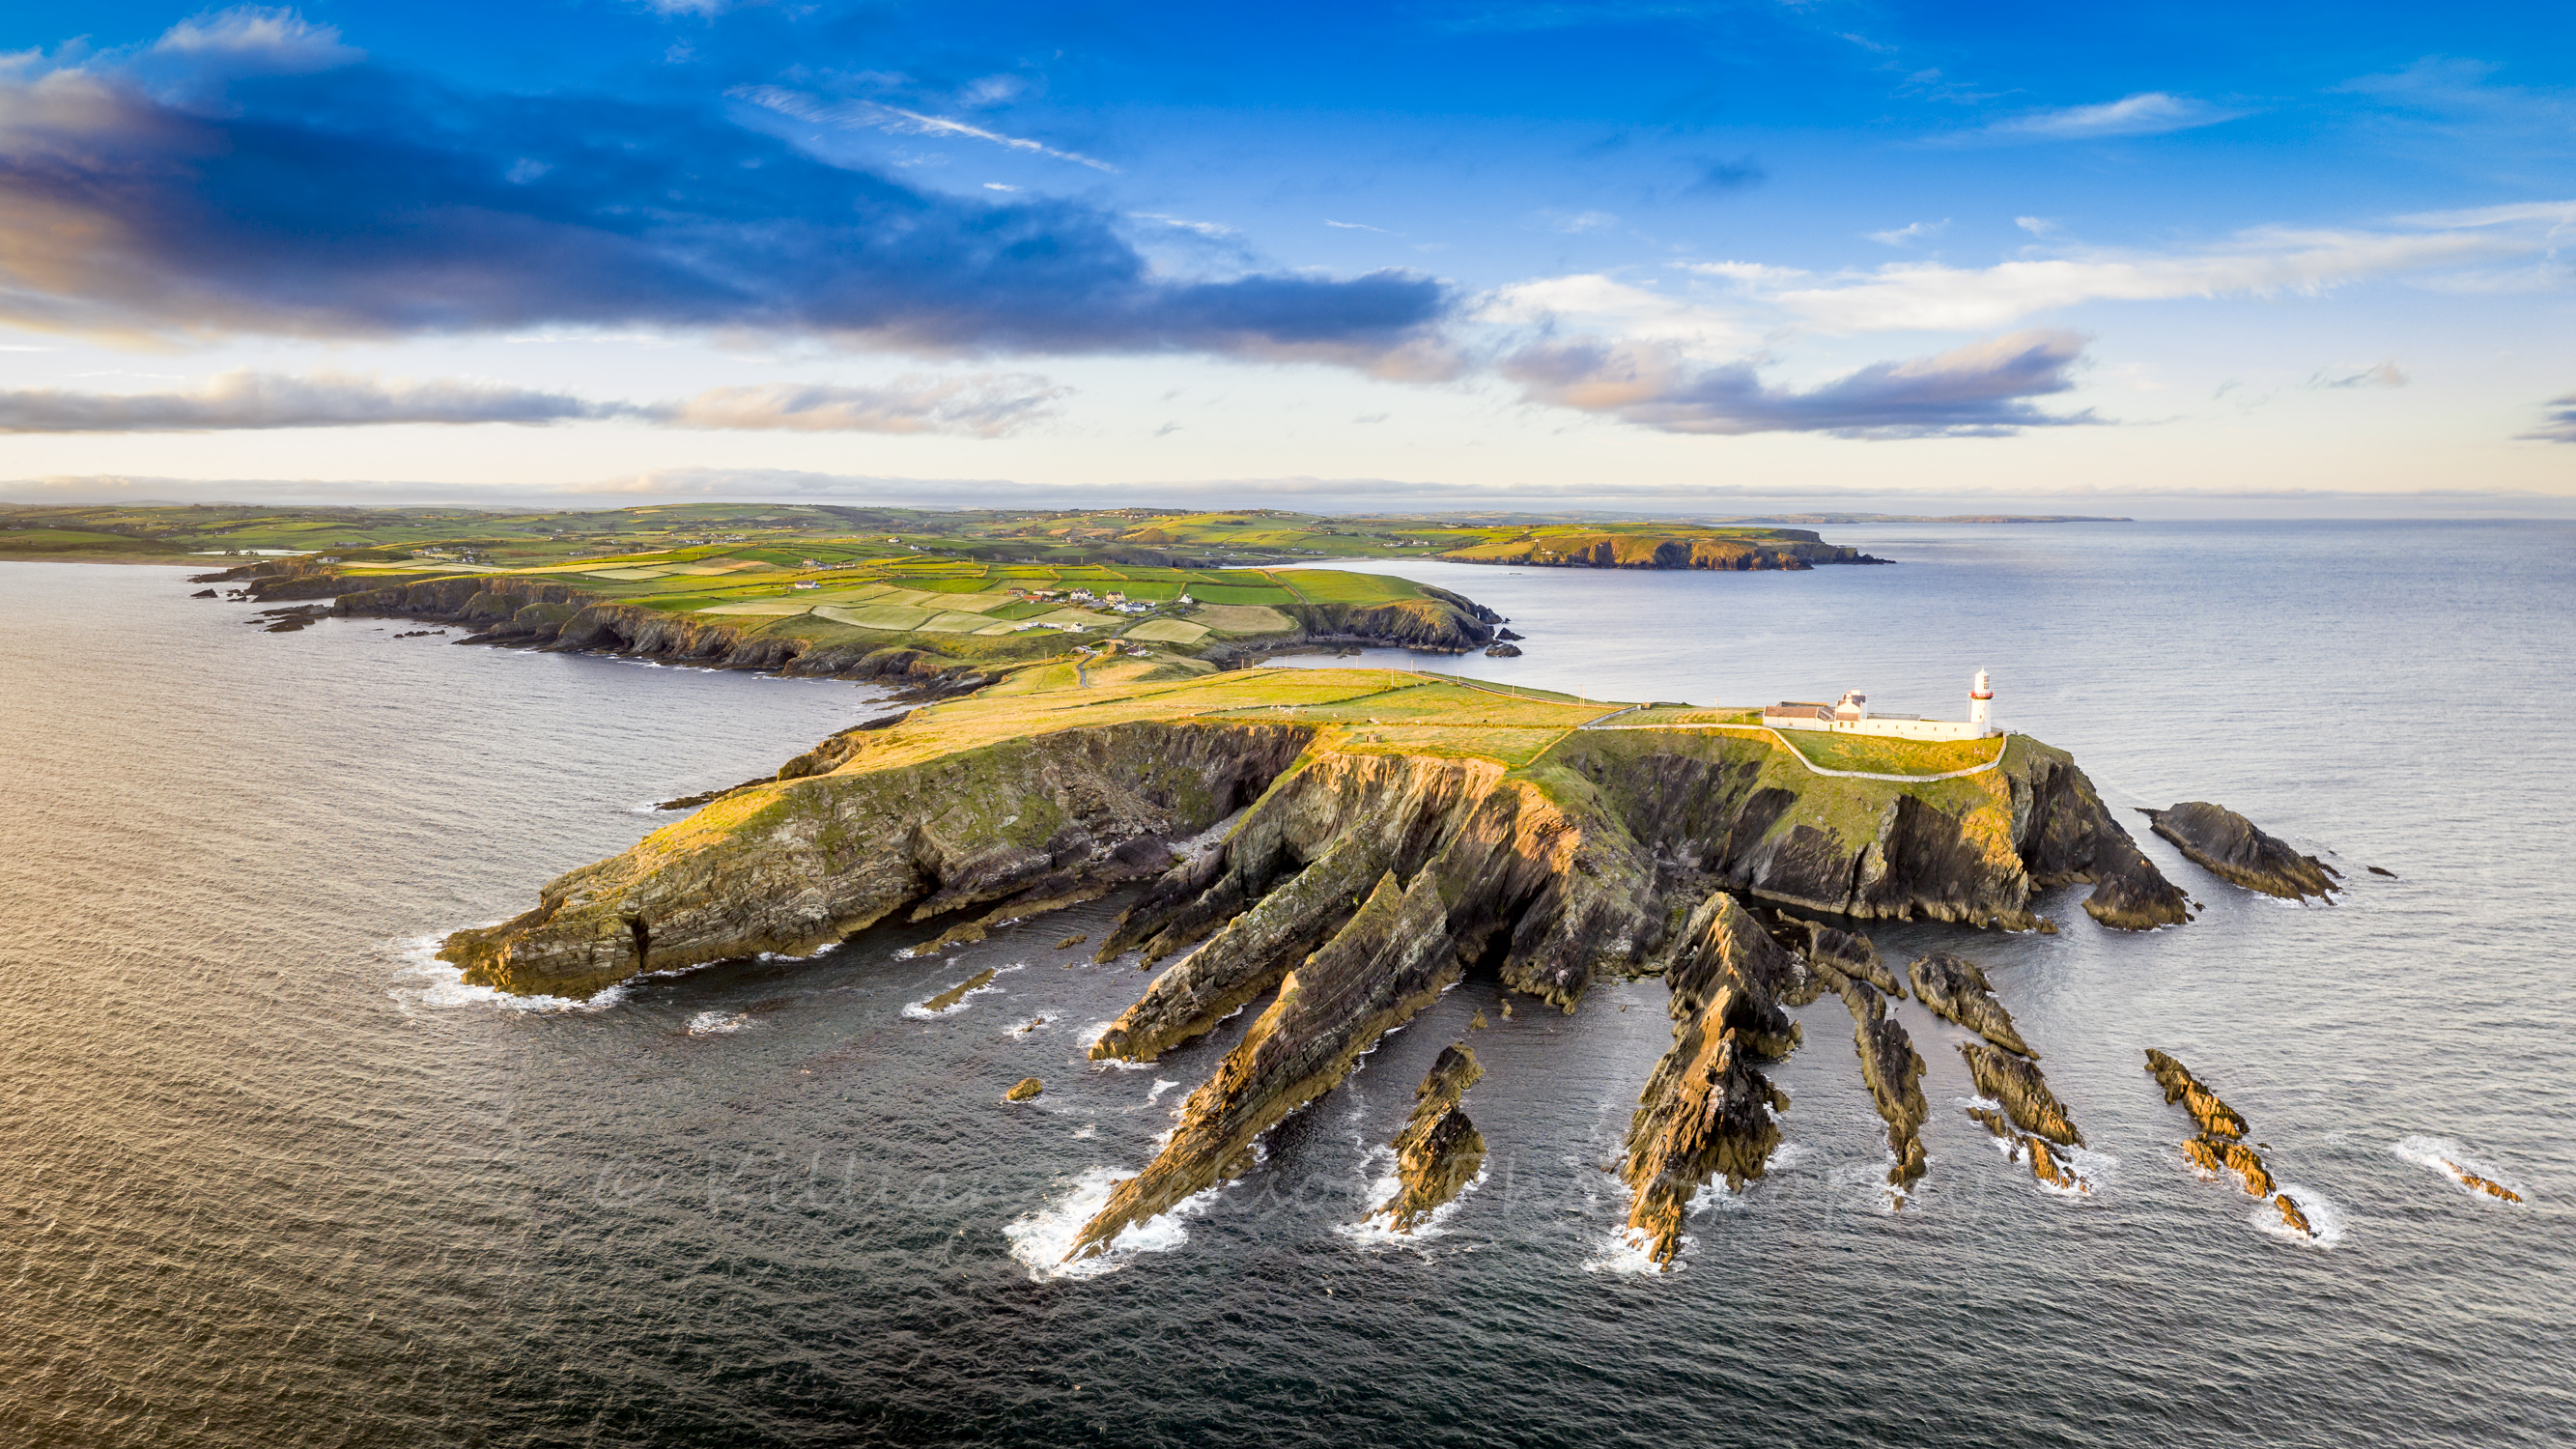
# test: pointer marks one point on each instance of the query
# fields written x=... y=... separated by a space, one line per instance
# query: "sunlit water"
x=272 y=1178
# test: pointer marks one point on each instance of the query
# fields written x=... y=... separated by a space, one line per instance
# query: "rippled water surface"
x=273 y=1178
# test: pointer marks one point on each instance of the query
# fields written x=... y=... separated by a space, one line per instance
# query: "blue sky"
x=1662 y=256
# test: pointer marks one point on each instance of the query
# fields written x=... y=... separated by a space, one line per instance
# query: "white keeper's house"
x=1851 y=715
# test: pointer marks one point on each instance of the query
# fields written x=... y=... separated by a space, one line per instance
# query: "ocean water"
x=272 y=1178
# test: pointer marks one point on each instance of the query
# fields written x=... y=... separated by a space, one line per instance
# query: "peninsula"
x=1147 y=537
x=1392 y=833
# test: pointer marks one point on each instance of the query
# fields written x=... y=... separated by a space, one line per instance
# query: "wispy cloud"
x=2148 y=113
x=898 y=121
x=2385 y=374
x=1981 y=390
x=1931 y=296
x=1359 y=226
x=1210 y=229
x=1573 y=222
x=1909 y=234
x=2559 y=426
x=980 y=405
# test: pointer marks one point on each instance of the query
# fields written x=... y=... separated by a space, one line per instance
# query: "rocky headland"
x=1397 y=832
x=2229 y=846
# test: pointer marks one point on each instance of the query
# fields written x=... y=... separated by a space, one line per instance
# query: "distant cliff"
x=1634 y=548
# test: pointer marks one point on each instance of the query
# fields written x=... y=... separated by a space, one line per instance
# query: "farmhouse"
x=1851 y=715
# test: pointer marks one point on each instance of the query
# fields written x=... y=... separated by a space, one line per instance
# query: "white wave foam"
x=2449 y=1159
x=1086 y=1132
x=1161 y=1085
x=1042 y=1238
x=2323 y=1214
x=443 y=988
x=718 y=1023
x=1376 y=1232
x=1624 y=1252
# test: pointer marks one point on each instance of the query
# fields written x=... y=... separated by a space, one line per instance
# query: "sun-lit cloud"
x=1980 y=390
x=1595 y=303
x=2148 y=113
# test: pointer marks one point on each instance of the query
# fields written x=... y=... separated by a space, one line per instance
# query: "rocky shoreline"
x=530 y=613
x=1358 y=885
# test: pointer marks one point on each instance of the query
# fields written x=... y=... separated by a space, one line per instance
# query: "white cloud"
x=1592 y=301
x=1912 y=232
x=2036 y=225
x=249 y=38
x=1930 y=296
x=2148 y=113
x=898 y=121
x=1359 y=226
x=1746 y=274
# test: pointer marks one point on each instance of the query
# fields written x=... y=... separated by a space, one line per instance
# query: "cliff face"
x=794 y=865
x=1787 y=549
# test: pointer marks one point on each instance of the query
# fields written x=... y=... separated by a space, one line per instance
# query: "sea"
x=270 y=1175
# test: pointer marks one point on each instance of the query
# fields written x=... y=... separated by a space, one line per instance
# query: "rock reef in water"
x=1893 y=1071
x=1956 y=990
x=2016 y=1083
x=2228 y=845
x=1439 y=1151
x=1707 y=1111
x=2219 y=1148
x=2475 y=1183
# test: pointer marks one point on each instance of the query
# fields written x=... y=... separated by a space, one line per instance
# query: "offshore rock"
x=1705 y=1110
x=2291 y=1217
x=1439 y=1151
x=1957 y=991
x=1024 y=1089
x=2016 y=1083
x=2217 y=1121
x=2228 y=845
x=1845 y=953
x=2471 y=1180
x=1893 y=1071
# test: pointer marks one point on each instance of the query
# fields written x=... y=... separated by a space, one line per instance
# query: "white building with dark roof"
x=1851 y=715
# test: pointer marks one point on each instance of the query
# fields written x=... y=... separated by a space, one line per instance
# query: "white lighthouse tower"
x=1980 y=695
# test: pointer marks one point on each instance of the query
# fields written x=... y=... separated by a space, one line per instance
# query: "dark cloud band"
x=202 y=193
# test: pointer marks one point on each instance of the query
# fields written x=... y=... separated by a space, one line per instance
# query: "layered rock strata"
x=1894 y=1072
x=2017 y=1084
x=2219 y=1147
x=2229 y=846
x=794 y=865
x=1439 y=1151
x=1956 y=990
x=1848 y=954
x=1706 y=1110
